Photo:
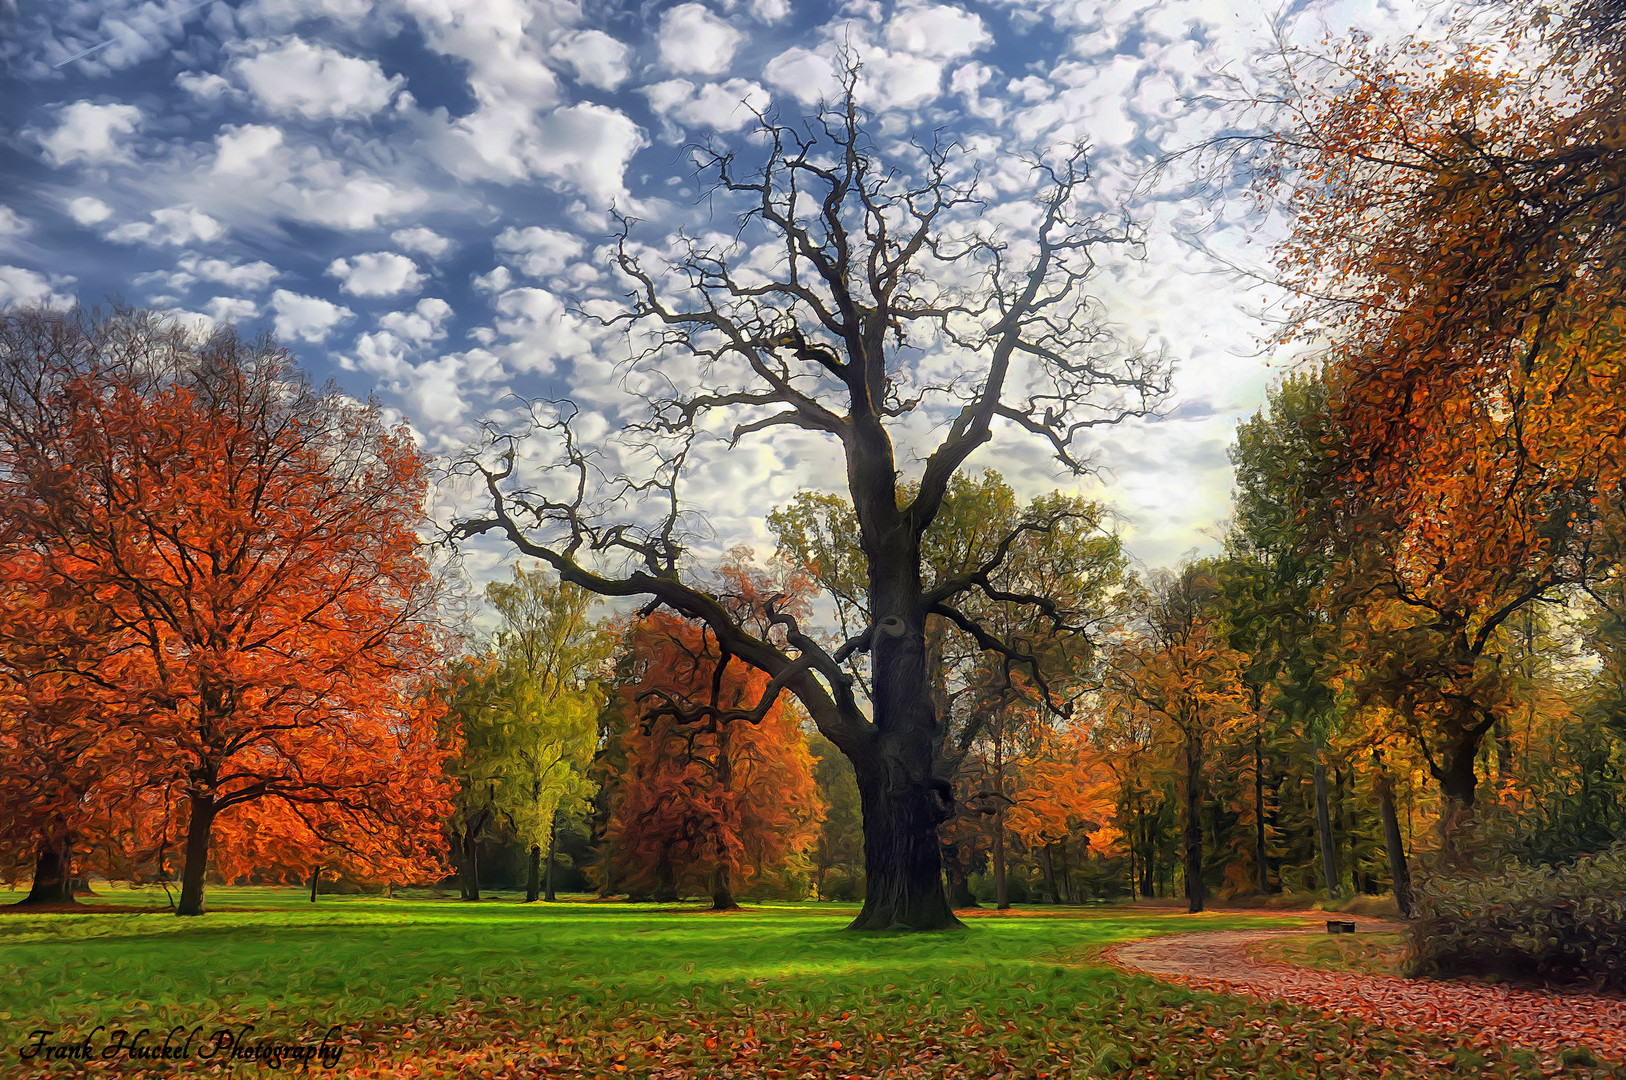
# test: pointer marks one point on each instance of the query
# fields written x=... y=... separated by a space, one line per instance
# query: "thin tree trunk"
x=316 y=874
x=198 y=826
x=1002 y=899
x=1048 y=869
x=1260 y=856
x=959 y=885
x=1399 y=872
x=471 y=866
x=553 y=858
x=533 y=876
x=1195 y=893
x=1323 y=828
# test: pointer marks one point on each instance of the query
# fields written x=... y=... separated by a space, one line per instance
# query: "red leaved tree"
x=710 y=800
x=250 y=545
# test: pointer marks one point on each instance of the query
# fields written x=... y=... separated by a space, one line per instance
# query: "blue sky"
x=412 y=194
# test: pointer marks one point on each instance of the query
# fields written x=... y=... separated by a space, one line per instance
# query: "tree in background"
x=252 y=545
x=552 y=657
x=1466 y=210
x=706 y=807
x=874 y=256
x=1176 y=676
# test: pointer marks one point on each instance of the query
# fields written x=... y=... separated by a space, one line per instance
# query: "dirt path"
x=1546 y=1020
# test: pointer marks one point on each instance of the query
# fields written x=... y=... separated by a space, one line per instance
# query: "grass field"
x=434 y=987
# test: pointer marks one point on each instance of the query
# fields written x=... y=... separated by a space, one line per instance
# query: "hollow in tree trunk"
x=199 y=822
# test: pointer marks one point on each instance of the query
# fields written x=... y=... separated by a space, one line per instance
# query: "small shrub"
x=1566 y=924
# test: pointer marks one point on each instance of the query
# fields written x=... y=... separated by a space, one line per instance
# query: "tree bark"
x=1047 y=868
x=1459 y=785
x=1399 y=872
x=1259 y=812
x=1323 y=828
x=470 y=868
x=200 y=822
x=553 y=859
x=53 y=881
x=903 y=870
x=316 y=875
x=533 y=877
x=1195 y=893
x=959 y=883
x=722 y=893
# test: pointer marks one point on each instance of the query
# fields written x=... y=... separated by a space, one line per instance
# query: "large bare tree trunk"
x=903 y=870
x=198 y=826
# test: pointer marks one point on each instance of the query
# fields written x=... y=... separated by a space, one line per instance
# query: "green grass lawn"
x=436 y=987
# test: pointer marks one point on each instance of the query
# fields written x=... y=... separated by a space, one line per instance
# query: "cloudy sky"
x=412 y=194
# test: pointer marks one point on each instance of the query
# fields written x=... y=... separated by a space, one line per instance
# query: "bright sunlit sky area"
x=413 y=194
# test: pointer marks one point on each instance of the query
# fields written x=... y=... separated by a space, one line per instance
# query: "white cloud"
x=804 y=75
x=203 y=85
x=725 y=106
x=597 y=58
x=935 y=30
x=377 y=273
x=240 y=150
x=174 y=225
x=423 y=323
x=230 y=309
x=89 y=210
x=252 y=276
x=315 y=81
x=424 y=241
x=22 y=286
x=272 y=177
x=693 y=39
x=10 y=223
x=307 y=318
x=770 y=11
x=538 y=252
x=91 y=133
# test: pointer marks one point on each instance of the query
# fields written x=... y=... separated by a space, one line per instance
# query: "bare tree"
x=888 y=271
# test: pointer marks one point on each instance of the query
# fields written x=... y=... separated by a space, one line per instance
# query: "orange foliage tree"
x=249 y=547
x=1177 y=678
x=1457 y=243
x=716 y=790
